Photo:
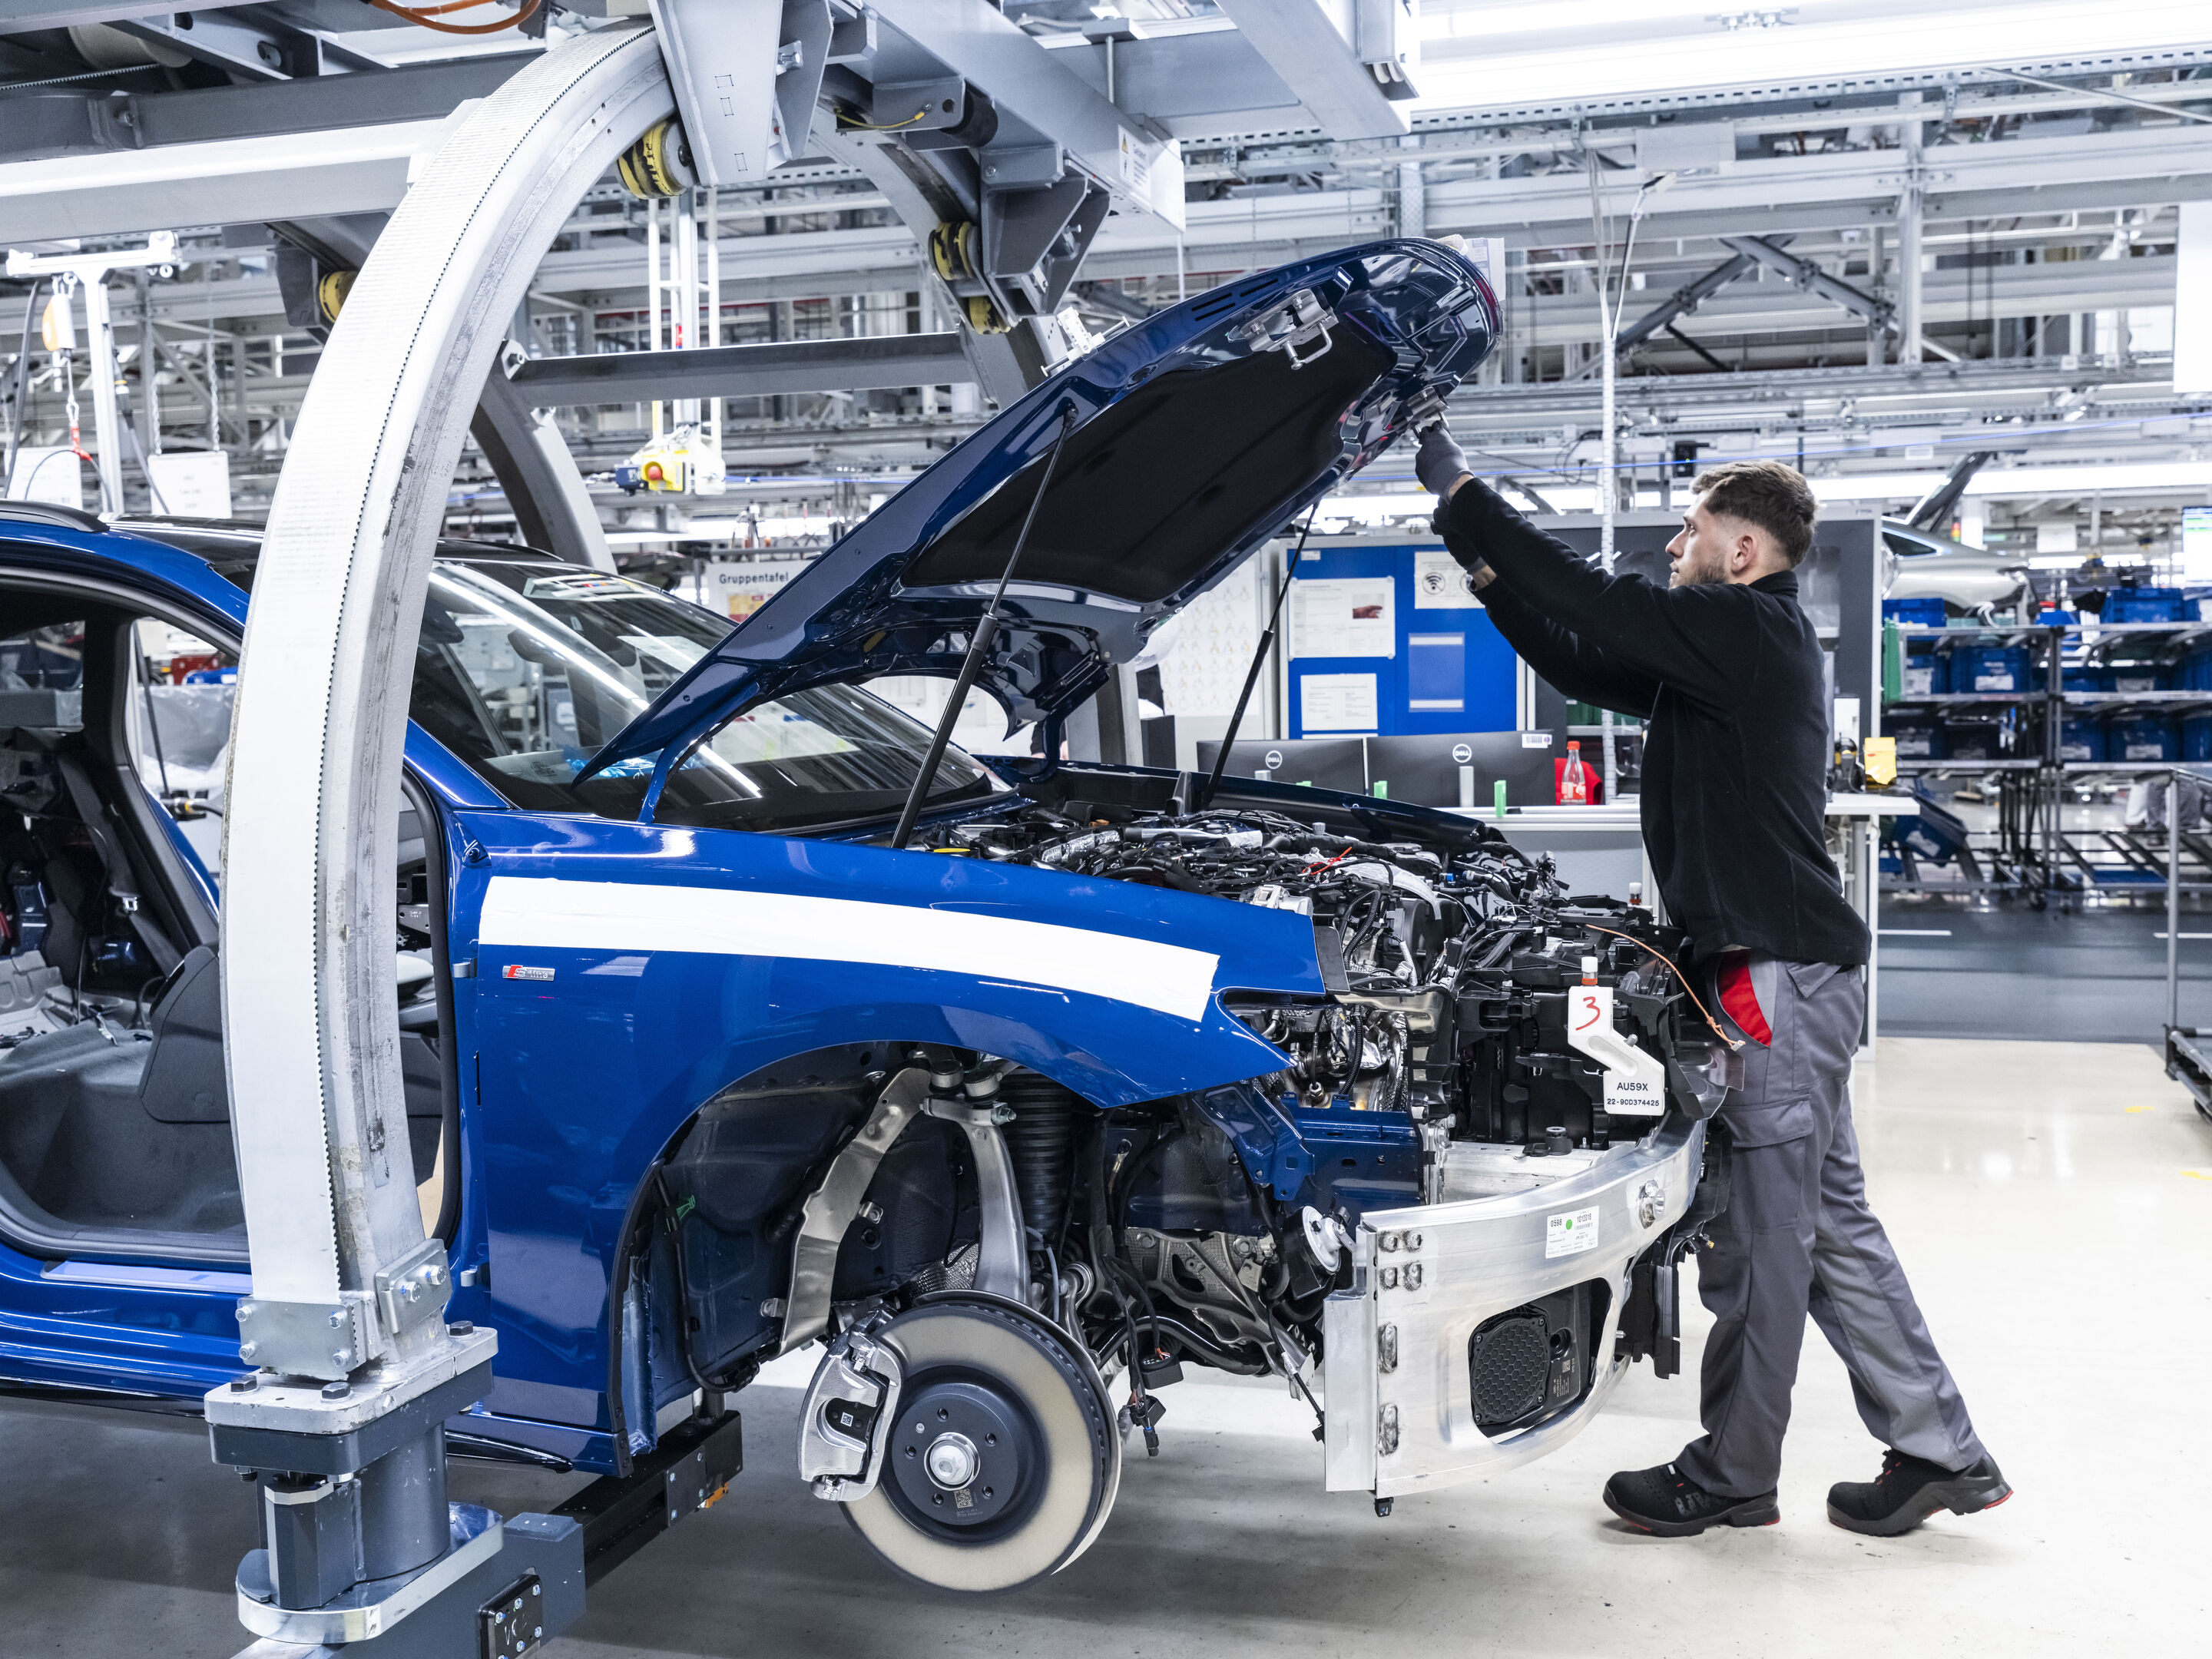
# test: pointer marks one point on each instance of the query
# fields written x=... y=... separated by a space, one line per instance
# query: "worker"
x=1723 y=668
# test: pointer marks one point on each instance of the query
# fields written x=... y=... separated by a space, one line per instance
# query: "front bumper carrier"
x=1401 y=1413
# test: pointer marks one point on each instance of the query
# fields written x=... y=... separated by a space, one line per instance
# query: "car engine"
x=1439 y=1062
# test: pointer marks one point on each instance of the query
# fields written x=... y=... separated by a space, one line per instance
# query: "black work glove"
x=1460 y=545
x=1439 y=460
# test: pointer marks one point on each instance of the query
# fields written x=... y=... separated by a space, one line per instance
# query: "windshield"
x=525 y=669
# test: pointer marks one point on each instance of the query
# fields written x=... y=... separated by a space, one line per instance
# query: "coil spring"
x=1041 y=1143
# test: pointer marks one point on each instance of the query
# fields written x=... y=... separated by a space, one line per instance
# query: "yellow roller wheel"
x=985 y=318
x=330 y=293
x=659 y=165
x=953 y=250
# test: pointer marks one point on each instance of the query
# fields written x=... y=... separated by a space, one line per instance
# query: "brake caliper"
x=850 y=1407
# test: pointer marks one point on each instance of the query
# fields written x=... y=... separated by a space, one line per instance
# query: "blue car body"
x=610 y=979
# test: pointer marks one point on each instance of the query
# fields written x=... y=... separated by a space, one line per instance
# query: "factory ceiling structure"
x=1934 y=250
x=508 y=503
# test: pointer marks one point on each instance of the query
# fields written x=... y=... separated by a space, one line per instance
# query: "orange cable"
x=1733 y=1044
x=426 y=18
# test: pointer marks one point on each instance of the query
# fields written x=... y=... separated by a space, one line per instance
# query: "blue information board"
x=1384 y=641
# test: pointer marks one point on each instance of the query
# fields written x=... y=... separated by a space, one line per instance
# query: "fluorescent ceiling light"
x=1660 y=48
x=2164 y=477
x=1494 y=22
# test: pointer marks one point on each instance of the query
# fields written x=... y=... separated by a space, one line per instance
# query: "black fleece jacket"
x=1728 y=678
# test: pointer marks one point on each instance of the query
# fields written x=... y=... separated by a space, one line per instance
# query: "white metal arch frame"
x=310 y=854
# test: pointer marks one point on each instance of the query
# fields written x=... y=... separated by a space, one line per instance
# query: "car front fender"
x=625 y=974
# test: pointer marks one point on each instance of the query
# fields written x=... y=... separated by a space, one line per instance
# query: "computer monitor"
x=1324 y=763
x=1425 y=770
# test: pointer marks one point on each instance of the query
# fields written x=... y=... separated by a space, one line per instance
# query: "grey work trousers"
x=1797 y=1238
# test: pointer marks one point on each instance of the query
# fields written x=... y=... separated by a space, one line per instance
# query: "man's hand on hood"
x=1439 y=463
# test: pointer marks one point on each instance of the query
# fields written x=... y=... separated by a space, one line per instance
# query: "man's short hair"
x=1768 y=494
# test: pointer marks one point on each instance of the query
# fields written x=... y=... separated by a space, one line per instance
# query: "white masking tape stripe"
x=542 y=914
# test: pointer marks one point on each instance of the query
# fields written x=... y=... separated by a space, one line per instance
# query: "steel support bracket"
x=830 y=1208
x=414 y=1290
x=326 y=1339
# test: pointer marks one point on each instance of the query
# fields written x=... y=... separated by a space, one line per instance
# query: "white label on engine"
x=1634 y=1096
x=1570 y=1234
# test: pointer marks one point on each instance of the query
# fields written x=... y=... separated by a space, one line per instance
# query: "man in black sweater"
x=1724 y=669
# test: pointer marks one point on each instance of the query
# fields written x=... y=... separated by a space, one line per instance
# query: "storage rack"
x=2037 y=853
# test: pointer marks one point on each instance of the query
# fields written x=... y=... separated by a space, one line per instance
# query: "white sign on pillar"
x=2192 y=301
x=191 y=483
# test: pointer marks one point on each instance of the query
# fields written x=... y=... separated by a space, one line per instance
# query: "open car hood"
x=1197 y=434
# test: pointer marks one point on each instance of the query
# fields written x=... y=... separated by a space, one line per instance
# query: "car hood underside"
x=1190 y=440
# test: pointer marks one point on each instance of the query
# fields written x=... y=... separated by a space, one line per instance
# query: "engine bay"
x=1437 y=1064
x=1449 y=954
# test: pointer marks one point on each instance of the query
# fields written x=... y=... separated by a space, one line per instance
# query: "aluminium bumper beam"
x=1400 y=1410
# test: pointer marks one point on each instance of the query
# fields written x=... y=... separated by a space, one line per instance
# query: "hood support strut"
x=979 y=648
x=1258 y=661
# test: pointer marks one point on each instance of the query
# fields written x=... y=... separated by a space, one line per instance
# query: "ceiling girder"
x=1314 y=46
x=767 y=369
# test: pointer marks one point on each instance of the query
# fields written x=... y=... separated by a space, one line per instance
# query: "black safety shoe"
x=1908 y=1490
x=1672 y=1505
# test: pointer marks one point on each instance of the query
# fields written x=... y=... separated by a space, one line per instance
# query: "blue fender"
x=624 y=973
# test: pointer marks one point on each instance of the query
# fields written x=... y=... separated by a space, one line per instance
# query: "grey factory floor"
x=1953 y=968
x=2053 y=1202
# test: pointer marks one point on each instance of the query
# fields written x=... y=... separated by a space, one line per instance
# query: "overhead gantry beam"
x=1846 y=190
x=1316 y=47
x=229 y=181
x=1880 y=314
x=535 y=471
x=976 y=42
x=868 y=363
x=1685 y=300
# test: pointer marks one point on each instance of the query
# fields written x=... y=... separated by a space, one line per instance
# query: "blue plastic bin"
x=2143 y=604
x=1916 y=739
x=1927 y=670
x=1918 y=613
x=2196 y=671
x=2087 y=678
x=1971 y=741
x=1934 y=834
x=2197 y=736
x=1990 y=668
x=2081 y=736
x=2142 y=738
x=2133 y=678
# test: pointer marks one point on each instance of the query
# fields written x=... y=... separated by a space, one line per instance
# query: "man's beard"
x=1689 y=573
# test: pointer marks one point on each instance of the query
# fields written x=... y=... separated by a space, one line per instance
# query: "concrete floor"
x=2053 y=1202
x=1951 y=970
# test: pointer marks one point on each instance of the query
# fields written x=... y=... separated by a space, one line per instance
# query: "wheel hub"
x=952 y=1461
x=962 y=1454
